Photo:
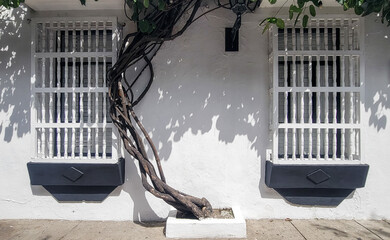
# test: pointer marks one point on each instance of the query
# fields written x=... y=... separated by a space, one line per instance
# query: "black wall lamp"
x=239 y=7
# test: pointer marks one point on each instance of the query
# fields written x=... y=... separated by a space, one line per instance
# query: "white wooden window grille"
x=70 y=116
x=316 y=91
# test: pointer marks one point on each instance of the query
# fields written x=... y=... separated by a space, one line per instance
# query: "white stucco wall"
x=207 y=112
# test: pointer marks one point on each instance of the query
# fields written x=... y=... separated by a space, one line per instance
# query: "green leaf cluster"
x=141 y=8
x=11 y=3
x=272 y=20
x=303 y=9
x=366 y=7
x=295 y=11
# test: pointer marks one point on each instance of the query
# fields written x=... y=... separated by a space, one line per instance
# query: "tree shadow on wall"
x=377 y=89
x=378 y=79
x=200 y=90
x=142 y=211
x=14 y=73
x=380 y=103
x=207 y=110
x=209 y=104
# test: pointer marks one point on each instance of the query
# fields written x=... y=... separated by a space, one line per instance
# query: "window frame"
x=275 y=53
x=104 y=54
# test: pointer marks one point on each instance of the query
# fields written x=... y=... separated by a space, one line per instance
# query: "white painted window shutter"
x=316 y=91
x=70 y=108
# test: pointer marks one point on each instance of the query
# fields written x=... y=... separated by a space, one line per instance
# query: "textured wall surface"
x=207 y=112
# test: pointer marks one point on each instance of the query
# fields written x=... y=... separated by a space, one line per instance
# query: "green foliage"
x=361 y=8
x=272 y=20
x=272 y=1
x=301 y=3
x=142 y=8
x=305 y=19
x=312 y=10
x=161 y=5
x=146 y=26
x=11 y=3
x=279 y=23
x=366 y=7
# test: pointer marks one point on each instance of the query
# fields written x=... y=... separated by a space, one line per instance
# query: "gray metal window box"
x=315 y=184
x=78 y=181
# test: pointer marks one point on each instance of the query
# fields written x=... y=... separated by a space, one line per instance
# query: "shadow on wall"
x=142 y=211
x=14 y=73
x=379 y=103
x=377 y=100
x=200 y=89
x=219 y=98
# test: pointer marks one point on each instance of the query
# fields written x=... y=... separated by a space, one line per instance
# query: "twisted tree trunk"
x=140 y=48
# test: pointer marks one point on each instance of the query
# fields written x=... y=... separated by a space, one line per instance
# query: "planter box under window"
x=315 y=184
x=78 y=181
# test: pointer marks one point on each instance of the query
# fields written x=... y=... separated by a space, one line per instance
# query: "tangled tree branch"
x=139 y=48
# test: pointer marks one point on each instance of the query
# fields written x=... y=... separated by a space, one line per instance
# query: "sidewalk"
x=256 y=229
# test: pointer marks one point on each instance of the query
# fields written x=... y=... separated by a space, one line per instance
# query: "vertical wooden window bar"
x=70 y=116
x=316 y=91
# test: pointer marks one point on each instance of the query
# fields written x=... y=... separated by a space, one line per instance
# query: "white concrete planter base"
x=206 y=228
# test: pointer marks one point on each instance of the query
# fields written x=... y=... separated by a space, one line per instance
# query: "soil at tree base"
x=220 y=213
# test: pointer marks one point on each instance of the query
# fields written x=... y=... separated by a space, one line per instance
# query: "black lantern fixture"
x=239 y=7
